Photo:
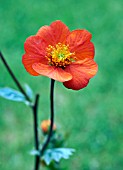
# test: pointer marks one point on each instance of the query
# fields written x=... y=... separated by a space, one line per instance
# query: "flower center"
x=60 y=55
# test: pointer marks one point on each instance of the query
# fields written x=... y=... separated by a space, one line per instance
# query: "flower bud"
x=45 y=125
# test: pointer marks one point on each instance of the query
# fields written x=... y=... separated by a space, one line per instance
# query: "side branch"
x=35 y=118
x=35 y=110
x=13 y=77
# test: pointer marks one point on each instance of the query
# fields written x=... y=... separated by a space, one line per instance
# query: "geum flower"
x=60 y=54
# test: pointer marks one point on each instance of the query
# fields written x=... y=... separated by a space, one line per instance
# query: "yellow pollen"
x=60 y=55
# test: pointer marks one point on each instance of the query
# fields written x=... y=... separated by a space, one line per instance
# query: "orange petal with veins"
x=81 y=72
x=79 y=42
x=52 y=72
x=55 y=33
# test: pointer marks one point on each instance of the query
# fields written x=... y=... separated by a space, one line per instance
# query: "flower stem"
x=14 y=78
x=35 y=118
x=51 y=118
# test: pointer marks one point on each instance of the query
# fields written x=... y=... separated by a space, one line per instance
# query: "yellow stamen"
x=60 y=55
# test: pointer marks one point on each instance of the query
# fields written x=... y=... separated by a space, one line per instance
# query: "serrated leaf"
x=47 y=158
x=56 y=154
x=35 y=152
x=12 y=94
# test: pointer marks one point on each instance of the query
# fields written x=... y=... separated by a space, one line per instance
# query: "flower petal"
x=60 y=31
x=28 y=61
x=87 y=50
x=35 y=45
x=81 y=72
x=55 y=73
x=46 y=34
x=55 y=33
x=79 y=42
x=35 y=52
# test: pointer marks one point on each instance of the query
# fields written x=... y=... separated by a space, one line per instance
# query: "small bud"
x=45 y=125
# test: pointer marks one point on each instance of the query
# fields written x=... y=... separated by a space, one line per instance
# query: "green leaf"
x=35 y=152
x=12 y=94
x=56 y=154
x=29 y=91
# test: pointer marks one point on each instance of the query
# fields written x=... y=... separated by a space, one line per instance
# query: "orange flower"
x=61 y=54
x=45 y=124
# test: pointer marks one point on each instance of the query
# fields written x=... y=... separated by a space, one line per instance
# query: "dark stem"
x=51 y=117
x=35 y=118
x=14 y=78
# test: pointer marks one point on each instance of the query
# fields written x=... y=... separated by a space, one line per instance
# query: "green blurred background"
x=93 y=116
